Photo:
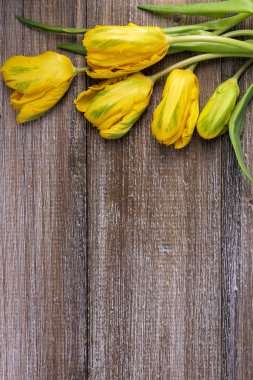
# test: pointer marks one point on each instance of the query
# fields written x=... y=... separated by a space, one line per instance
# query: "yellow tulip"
x=113 y=51
x=176 y=116
x=114 y=106
x=38 y=82
x=214 y=118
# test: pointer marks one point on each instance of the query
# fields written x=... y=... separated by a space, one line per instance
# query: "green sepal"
x=236 y=127
x=73 y=47
x=224 y=130
x=50 y=28
x=213 y=9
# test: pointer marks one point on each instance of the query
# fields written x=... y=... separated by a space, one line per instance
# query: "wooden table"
x=119 y=259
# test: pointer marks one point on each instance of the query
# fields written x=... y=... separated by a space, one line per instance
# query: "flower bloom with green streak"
x=214 y=118
x=176 y=116
x=114 y=51
x=114 y=106
x=38 y=82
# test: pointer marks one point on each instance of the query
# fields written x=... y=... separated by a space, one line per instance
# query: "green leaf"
x=219 y=26
x=236 y=127
x=50 y=28
x=73 y=47
x=212 y=9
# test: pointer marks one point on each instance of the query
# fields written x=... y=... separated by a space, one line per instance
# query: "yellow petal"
x=175 y=117
x=33 y=107
x=115 y=50
x=85 y=98
x=126 y=70
x=190 y=126
x=37 y=74
x=113 y=102
x=120 y=129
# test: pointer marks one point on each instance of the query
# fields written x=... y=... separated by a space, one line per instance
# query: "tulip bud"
x=214 y=118
x=114 y=106
x=176 y=116
x=38 y=82
x=114 y=51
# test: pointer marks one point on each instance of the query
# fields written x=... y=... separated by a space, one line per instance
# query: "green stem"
x=214 y=39
x=192 y=67
x=238 y=33
x=216 y=33
x=218 y=27
x=80 y=70
x=196 y=59
x=242 y=69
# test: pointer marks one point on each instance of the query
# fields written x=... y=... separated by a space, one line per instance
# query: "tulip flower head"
x=114 y=106
x=176 y=116
x=38 y=82
x=214 y=118
x=114 y=51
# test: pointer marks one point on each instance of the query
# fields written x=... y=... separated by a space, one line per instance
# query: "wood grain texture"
x=119 y=259
x=155 y=263
x=43 y=220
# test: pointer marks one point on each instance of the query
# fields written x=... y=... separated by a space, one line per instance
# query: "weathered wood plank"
x=167 y=290
x=43 y=219
x=243 y=286
x=236 y=247
x=231 y=248
x=154 y=262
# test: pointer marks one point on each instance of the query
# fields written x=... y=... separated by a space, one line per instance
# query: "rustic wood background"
x=125 y=259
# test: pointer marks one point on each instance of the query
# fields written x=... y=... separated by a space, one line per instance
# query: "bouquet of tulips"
x=118 y=54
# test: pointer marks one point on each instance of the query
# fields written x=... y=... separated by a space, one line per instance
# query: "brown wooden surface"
x=125 y=259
